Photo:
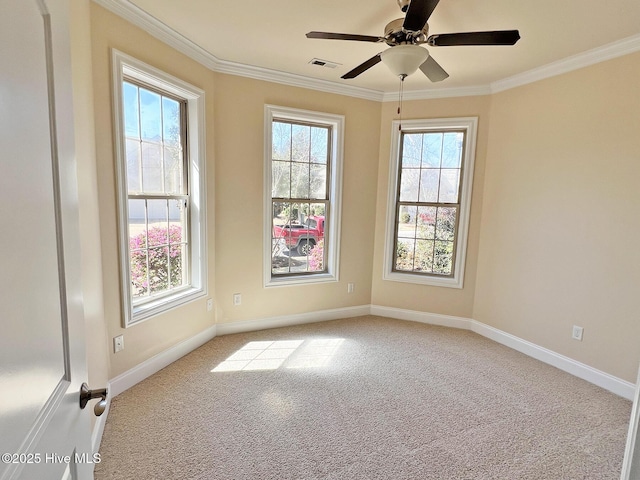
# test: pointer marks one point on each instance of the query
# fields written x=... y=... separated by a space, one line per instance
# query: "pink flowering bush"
x=316 y=257
x=153 y=257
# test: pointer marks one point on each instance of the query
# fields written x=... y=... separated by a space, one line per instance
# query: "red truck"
x=301 y=237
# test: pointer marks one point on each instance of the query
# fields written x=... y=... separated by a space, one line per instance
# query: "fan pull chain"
x=400 y=95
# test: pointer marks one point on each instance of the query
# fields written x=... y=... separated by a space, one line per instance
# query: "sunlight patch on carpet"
x=271 y=355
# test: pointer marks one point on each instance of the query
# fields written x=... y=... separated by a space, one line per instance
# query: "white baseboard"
x=147 y=368
x=597 y=377
x=290 y=320
x=421 y=317
x=156 y=363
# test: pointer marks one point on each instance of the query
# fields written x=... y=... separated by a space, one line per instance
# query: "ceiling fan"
x=406 y=35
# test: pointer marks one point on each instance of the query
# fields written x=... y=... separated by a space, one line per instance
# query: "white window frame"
x=123 y=66
x=470 y=127
x=336 y=123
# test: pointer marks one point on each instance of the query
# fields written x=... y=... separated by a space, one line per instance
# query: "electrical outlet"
x=350 y=287
x=577 y=333
x=237 y=299
x=118 y=343
x=209 y=304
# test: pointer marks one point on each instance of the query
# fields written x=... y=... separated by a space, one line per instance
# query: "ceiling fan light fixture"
x=403 y=60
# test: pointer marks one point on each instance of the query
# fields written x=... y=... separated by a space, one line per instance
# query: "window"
x=431 y=177
x=303 y=167
x=160 y=149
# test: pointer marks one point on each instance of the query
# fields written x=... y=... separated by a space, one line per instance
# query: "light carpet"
x=363 y=398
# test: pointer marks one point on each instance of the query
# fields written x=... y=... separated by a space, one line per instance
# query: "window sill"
x=449 y=282
x=301 y=280
x=151 y=308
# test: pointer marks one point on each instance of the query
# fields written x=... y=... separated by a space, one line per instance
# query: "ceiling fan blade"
x=433 y=70
x=498 y=37
x=418 y=13
x=363 y=67
x=344 y=36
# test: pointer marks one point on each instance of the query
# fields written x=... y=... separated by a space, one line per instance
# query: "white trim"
x=422 y=317
x=125 y=65
x=470 y=126
x=591 y=57
x=336 y=123
x=151 y=25
x=291 y=320
x=629 y=462
x=438 y=93
x=156 y=363
x=597 y=377
x=143 y=370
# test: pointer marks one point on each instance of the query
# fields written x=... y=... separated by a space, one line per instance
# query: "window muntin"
x=303 y=176
x=157 y=191
x=161 y=183
x=300 y=175
x=431 y=174
x=427 y=207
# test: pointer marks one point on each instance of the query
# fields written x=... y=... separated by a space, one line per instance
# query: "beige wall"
x=561 y=215
x=554 y=213
x=441 y=300
x=151 y=337
x=239 y=120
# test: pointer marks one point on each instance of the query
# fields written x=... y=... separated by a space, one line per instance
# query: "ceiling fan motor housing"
x=394 y=34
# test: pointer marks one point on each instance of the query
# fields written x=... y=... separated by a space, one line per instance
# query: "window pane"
x=423 y=261
x=281 y=141
x=137 y=224
x=442 y=261
x=130 y=103
x=150 y=115
x=409 y=181
x=429 y=185
x=411 y=150
x=404 y=254
x=452 y=150
x=177 y=221
x=157 y=221
x=319 y=144
x=173 y=170
x=446 y=223
x=318 y=181
x=407 y=221
x=449 y=183
x=432 y=152
x=158 y=269
x=139 y=277
x=171 y=122
x=300 y=145
x=280 y=179
x=426 y=222
x=176 y=260
x=151 y=168
x=300 y=180
x=133 y=166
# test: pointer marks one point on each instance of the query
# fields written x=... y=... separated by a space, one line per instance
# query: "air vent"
x=323 y=63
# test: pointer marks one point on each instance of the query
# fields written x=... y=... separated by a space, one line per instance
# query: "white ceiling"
x=270 y=34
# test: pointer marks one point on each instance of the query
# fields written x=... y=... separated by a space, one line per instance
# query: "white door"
x=42 y=352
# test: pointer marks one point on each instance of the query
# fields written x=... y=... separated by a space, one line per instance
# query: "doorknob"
x=86 y=395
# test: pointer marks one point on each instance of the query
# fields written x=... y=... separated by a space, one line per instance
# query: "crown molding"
x=150 y=24
x=438 y=93
x=591 y=57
